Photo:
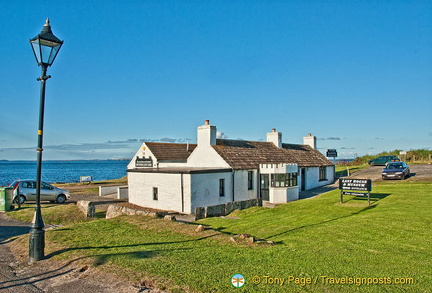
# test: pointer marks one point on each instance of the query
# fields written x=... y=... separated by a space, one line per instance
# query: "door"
x=48 y=192
x=264 y=187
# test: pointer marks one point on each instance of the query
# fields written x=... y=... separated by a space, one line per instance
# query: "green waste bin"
x=6 y=199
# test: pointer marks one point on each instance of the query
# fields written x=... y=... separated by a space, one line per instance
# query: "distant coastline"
x=63 y=171
x=71 y=160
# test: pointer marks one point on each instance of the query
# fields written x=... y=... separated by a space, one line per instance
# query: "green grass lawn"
x=342 y=170
x=318 y=238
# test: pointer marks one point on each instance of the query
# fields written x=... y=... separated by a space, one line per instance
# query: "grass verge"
x=318 y=238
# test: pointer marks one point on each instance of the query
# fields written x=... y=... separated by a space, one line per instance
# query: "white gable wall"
x=207 y=157
x=169 y=190
x=143 y=151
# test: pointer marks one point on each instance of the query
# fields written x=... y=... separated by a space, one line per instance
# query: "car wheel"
x=372 y=164
x=383 y=178
x=20 y=199
x=403 y=177
x=61 y=198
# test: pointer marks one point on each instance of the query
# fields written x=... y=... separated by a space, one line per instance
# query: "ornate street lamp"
x=45 y=48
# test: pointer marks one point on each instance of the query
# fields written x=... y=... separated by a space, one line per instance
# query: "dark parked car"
x=396 y=170
x=383 y=160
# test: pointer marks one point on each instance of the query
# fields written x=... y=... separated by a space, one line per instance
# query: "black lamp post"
x=45 y=48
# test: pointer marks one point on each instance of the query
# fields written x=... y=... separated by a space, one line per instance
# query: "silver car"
x=26 y=190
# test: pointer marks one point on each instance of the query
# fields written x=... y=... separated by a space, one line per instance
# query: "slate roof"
x=241 y=154
x=170 y=151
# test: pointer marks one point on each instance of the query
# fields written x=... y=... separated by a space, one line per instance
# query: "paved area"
x=9 y=282
x=17 y=276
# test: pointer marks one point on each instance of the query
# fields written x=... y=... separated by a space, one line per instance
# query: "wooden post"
x=368 y=198
x=341 y=196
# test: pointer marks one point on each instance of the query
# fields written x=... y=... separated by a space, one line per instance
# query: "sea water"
x=62 y=171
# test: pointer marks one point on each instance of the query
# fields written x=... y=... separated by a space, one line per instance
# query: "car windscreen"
x=394 y=166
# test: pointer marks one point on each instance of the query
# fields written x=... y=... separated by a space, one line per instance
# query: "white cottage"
x=182 y=177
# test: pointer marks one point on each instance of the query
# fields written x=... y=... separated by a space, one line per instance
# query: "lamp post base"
x=36 y=245
x=37 y=237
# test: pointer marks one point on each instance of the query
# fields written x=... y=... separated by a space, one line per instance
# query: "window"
x=322 y=173
x=250 y=180
x=46 y=186
x=221 y=187
x=292 y=179
x=155 y=193
x=284 y=180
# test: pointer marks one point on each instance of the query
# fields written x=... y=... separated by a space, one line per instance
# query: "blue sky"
x=356 y=74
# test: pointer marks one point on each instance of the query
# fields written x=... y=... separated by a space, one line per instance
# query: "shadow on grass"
x=140 y=254
x=323 y=222
x=374 y=197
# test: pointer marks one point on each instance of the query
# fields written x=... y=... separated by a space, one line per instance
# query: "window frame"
x=284 y=180
x=250 y=180
x=221 y=187
x=322 y=173
x=155 y=193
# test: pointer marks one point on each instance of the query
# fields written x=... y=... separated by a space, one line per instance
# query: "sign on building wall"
x=143 y=162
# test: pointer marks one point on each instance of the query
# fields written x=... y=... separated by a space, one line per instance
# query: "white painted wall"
x=312 y=177
x=293 y=193
x=207 y=157
x=169 y=190
x=143 y=151
x=278 y=195
x=241 y=191
x=205 y=189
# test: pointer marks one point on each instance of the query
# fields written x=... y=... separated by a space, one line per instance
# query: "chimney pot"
x=207 y=122
x=310 y=140
x=275 y=137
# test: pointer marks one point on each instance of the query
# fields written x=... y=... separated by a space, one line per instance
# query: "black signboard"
x=356 y=187
x=143 y=162
x=355 y=184
x=331 y=153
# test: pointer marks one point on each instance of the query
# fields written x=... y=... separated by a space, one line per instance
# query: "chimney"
x=275 y=137
x=206 y=134
x=310 y=141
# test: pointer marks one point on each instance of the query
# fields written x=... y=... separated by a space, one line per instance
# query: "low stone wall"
x=118 y=210
x=118 y=192
x=225 y=209
x=87 y=207
x=123 y=192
